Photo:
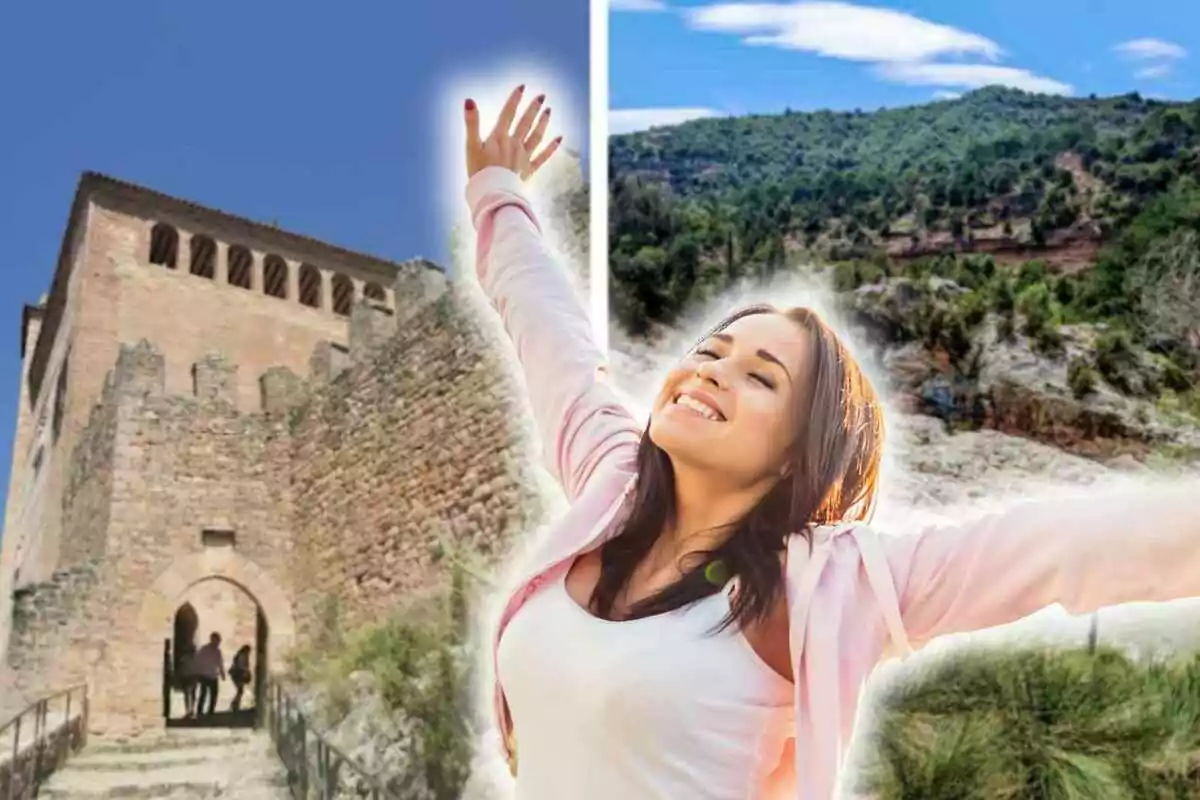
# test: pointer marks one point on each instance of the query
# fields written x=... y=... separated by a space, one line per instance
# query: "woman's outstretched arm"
x=1105 y=547
x=583 y=424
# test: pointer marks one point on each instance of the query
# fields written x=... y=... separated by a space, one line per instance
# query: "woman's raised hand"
x=506 y=146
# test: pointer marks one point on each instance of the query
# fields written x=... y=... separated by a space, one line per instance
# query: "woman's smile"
x=698 y=403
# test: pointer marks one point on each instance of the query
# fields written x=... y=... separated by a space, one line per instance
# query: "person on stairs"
x=209 y=666
x=187 y=677
x=239 y=673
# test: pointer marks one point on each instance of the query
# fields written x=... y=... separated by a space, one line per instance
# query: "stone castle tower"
x=226 y=426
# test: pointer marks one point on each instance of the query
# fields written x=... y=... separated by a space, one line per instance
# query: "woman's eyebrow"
x=765 y=355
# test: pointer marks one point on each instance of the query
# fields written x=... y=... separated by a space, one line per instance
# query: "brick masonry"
x=414 y=448
x=329 y=459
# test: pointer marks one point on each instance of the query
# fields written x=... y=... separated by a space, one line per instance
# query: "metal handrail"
x=33 y=761
x=291 y=732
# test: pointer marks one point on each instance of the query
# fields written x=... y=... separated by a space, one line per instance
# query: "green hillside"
x=1074 y=183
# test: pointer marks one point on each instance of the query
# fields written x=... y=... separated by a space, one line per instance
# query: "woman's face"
x=730 y=405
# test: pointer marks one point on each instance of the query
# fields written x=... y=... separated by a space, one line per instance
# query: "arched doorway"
x=150 y=701
x=204 y=680
x=184 y=640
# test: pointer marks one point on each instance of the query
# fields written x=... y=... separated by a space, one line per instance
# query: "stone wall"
x=76 y=348
x=188 y=316
x=108 y=292
x=18 y=481
x=53 y=621
x=186 y=465
x=87 y=498
x=352 y=484
x=152 y=473
x=417 y=447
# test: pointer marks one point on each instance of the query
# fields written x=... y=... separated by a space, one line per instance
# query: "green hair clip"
x=716 y=573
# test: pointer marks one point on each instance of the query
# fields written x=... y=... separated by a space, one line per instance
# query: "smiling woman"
x=772 y=421
x=702 y=620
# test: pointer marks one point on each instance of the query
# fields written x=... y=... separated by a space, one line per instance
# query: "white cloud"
x=942 y=94
x=1154 y=71
x=628 y=120
x=841 y=30
x=1150 y=49
x=1157 y=57
x=902 y=47
x=637 y=5
x=971 y=76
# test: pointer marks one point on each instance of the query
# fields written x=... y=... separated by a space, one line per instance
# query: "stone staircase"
x=173 y=765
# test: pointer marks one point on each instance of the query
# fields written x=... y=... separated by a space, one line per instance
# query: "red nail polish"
x=547 y=112
x=470 y=105
x=540 y=98
x=521 y=88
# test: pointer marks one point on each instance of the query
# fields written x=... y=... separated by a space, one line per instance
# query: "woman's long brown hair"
x=833 y=477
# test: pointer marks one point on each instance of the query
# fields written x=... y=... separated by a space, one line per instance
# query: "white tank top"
x=643 y=709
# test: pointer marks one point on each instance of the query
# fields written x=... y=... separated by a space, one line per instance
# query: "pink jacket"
x=859 y=594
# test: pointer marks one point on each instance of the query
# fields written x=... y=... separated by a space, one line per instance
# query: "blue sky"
x=289 y=111
x=670 y=60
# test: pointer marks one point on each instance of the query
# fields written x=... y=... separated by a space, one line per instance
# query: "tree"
x=1167 y=285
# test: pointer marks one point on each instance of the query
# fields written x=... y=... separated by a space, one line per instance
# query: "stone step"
x=116 y=760
x=232 y=766
x=170 y=740
x=175 y=791
x=162 y=784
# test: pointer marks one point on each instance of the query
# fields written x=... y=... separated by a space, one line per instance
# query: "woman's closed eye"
x=754 y=376
x=763 y=379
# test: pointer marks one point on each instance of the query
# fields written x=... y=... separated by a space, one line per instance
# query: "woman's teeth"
x=700 y=408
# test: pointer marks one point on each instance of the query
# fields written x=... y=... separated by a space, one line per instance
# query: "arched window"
x=60 y=398
x=164 y=245
x=240 y=263
x=310 y=286
x=343 y=295
x=204 y=257
x=373 y=291
x=275 y=274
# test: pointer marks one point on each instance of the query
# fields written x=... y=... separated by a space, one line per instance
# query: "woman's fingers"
x=504 y=146
x=536 y=163
x=472 y=117
x=526 y=123
x=535 y=138
x=509 y=112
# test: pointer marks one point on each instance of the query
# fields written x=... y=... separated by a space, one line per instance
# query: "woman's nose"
x=710 y=371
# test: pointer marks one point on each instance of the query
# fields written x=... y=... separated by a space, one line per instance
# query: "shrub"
x=1031 y=273
x=849 y=275
x=973 y=307
x=1081 y=378
x=1004 y=299
x=1041 y=317
x=871 y=272
x=975 y=271
x=948 y=329
x=1052 y=724
x=1115 y=359
x=845 y=277
x=1174 y=377
x=1064 y=291
x=417 y=664
x=1049 y=341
